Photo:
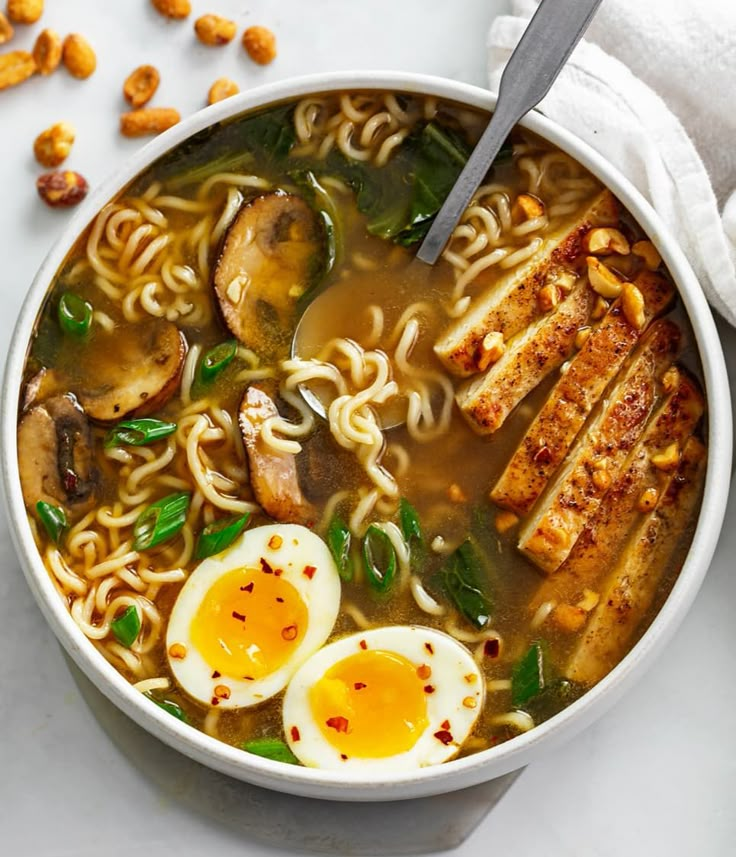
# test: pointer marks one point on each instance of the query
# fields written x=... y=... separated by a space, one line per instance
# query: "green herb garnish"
x=75 y=315
x=462 y=578
x=530 y=675
x=271 y=748
x=160 y=521
x=170 y=707
x=126 y=627
x=53 y=519
x=138 y=432
x=379 y=559
x=217 y=358
x=217 y=536
x=338 y=541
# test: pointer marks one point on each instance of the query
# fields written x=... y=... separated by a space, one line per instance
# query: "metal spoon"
x=543 y=49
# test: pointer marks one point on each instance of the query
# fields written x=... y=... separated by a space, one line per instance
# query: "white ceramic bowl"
x=462 y=772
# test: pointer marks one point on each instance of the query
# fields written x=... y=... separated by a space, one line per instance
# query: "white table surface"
x=655 y=777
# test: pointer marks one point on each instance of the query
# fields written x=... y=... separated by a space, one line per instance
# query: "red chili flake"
x=265 y=566
x=543 y=455
x=280 y=600
x=444 y=736
x=216 y=674
x=491 y=648
x=445 y=724
x=295 y=736
x=363 y=644
x=429 y=647
x=247 y=588
x=424 y=671
x=278 y=572
x=239 y=616
x=215 y=701
x=248 y=678
x=428 y=688
x=359 y=685
x=343 y=757
x=289 y=632
x=309 y=571
x=339 y=723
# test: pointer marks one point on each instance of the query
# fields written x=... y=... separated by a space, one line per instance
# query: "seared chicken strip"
x=486 y=401
x=573 y=397
x=633 y=493
x=512 y=303
x=598 y=457
x=632 y=586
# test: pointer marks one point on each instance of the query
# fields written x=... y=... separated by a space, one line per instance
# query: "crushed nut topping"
x=53 y=145
x=648 y=252
x=526 y=207
x=648 y=500
x=668 y=459
x=221 y=89
x=602 y=279
x=491 y=349
x=78 y=56
x=214 y=30
x=140 y=85
x=47 y=51
x=148 y=120
x=505 y=520
x=603 y=240
x=260 y=44
x=633 y=305
x=15 y=67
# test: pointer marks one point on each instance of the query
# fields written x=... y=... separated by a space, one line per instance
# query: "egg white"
x=320 y=593
x=452 y=666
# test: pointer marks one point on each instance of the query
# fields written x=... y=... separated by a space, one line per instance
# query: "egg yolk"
x=370 y=705
x=249 y=623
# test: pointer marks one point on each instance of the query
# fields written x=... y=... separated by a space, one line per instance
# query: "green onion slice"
x=53 y=519
x=160 y=521
x=338 y=541
x=75 y=315
x=217 y=358
x=271 y=748
x=379 y=558
x=529 y=676
x=218 y=535
x=409 y=521
x=126 y=627
x=170 y=707
x=138 y=432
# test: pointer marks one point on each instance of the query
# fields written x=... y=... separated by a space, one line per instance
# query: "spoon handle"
x=543 y=49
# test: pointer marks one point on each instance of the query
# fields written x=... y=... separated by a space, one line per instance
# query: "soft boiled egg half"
x=391 y=698
x=248 y=617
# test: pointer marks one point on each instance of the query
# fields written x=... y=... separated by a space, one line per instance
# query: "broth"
x=370 y=295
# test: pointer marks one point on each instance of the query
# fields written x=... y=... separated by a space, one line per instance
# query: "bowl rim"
x=469 y=770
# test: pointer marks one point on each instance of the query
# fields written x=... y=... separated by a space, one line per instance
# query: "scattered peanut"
x=589 y=600
x=53 y=145
x=6 y=29
x=548 y=297
x=568 y=617
x=149 y=120
x=602 y=279
x=140 y=85
x=260 y=44
x=600 y=308
x=581 y=337
x=505 y=521
x=671 y=379
x=632 y=301
x=648 y=500
x=62 y=189
x=214 y=30
x=173 y=8
x=648 y=252
x=564 y=280
x=601 y=479
x=668 y=459
x=15 y=67
x=47 y=51
x=491 y=349
x=221 y=89
x=25 y=11
x=78 y=56
x=456 y=494
x=526 y=207
x=603 y=240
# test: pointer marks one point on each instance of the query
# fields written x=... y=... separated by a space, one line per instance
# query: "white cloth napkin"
x=652 y=87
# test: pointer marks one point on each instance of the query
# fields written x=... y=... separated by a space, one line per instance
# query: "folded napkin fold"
x=652 y=87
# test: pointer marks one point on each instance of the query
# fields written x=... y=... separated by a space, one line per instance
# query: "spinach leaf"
x=530 y=675
x=322 y=203
x=462 y=578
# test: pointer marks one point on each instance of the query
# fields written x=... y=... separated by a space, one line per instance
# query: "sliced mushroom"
x=270 y=255
x=55 y=456
x=41 y=386
x=134 y=374
x=273 y=475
